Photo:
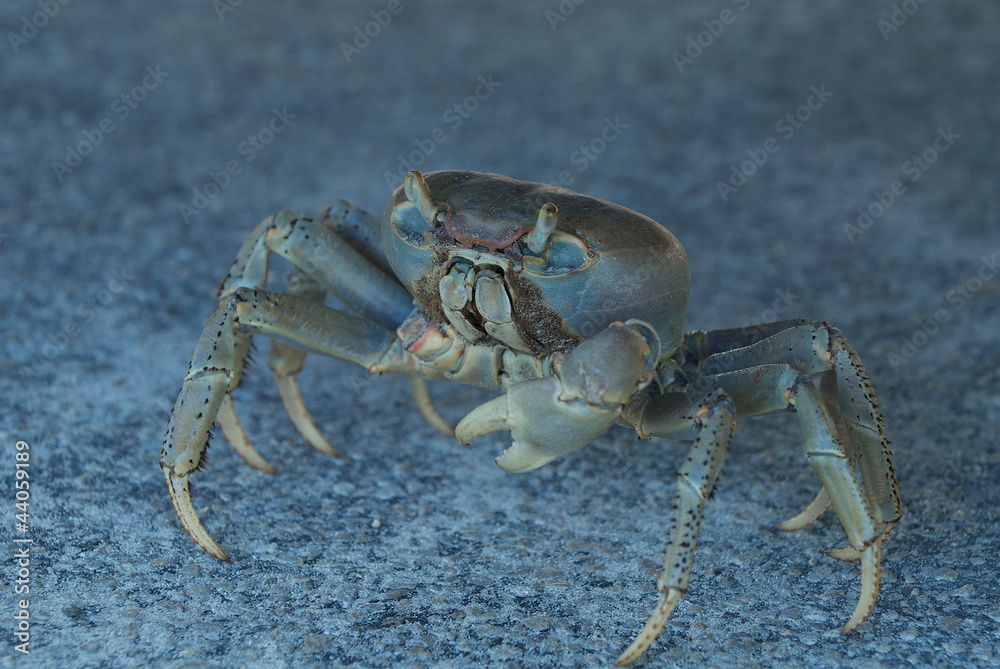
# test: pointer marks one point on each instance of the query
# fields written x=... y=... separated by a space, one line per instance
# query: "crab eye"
x=418 y=193
x=548 y=218
x=409 y=223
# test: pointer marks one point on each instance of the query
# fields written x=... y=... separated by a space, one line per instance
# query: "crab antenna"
x=548 y=218
x=419 y=194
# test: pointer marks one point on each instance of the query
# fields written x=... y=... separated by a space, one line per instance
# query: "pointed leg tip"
x=845 y=554
x=809 y=515
x=288 y=388
x=180 y=496
x=323 y=446
x=860 y=615
x=871 y=576
x=262 y=466
x=235 y=435
x=651 y=630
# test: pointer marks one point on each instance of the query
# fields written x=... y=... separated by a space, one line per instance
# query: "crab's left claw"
x=556 y=415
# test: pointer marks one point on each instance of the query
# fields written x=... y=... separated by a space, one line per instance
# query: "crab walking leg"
x=809 y=515
x=207 y=383
x=706 y=343
x=813 y=348
x=360 y=231
x=360 y=285
x=426 y=406
x=287 y=361
x=296 y=321
x=772 y=387
x=323 y=262
x=828 y=388
x=864 y=425
x=713 y=420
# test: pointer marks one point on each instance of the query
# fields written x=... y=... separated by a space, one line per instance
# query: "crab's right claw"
x=552 y=416
x=180 y=496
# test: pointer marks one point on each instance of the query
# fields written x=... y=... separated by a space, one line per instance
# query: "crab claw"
x=543 y=426
x=556 y=415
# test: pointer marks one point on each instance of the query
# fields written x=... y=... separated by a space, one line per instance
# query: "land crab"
x=573 y=307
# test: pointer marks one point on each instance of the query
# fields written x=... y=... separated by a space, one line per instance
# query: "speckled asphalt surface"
x=140 y=145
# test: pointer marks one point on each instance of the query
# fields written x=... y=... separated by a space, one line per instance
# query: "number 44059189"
x=21 y=462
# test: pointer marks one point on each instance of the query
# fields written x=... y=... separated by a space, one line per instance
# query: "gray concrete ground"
x=140 y=144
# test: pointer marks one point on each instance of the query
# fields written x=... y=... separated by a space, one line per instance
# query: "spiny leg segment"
x=325 y=263
x=712 y=419
x=769 y=368
x=844 y=435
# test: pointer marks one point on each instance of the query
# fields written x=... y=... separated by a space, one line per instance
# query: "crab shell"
x=602 y=264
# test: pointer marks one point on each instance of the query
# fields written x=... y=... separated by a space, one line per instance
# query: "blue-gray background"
x=413 y=550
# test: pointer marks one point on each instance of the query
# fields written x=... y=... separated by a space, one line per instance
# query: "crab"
x=574 y=308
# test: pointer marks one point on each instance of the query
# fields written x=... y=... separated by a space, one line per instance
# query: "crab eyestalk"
x=419 y=193
x=548 y=218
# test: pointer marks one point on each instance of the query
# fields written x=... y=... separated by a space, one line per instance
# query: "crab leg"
x=426 y=406
x=773 y=387
x=359 y=230
x=809 y=515
x=846 y=390
x=299 y=322
x=208 y=380
x=712 y=419
x=553 y=416
x=325 y=262
x=287 y=361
